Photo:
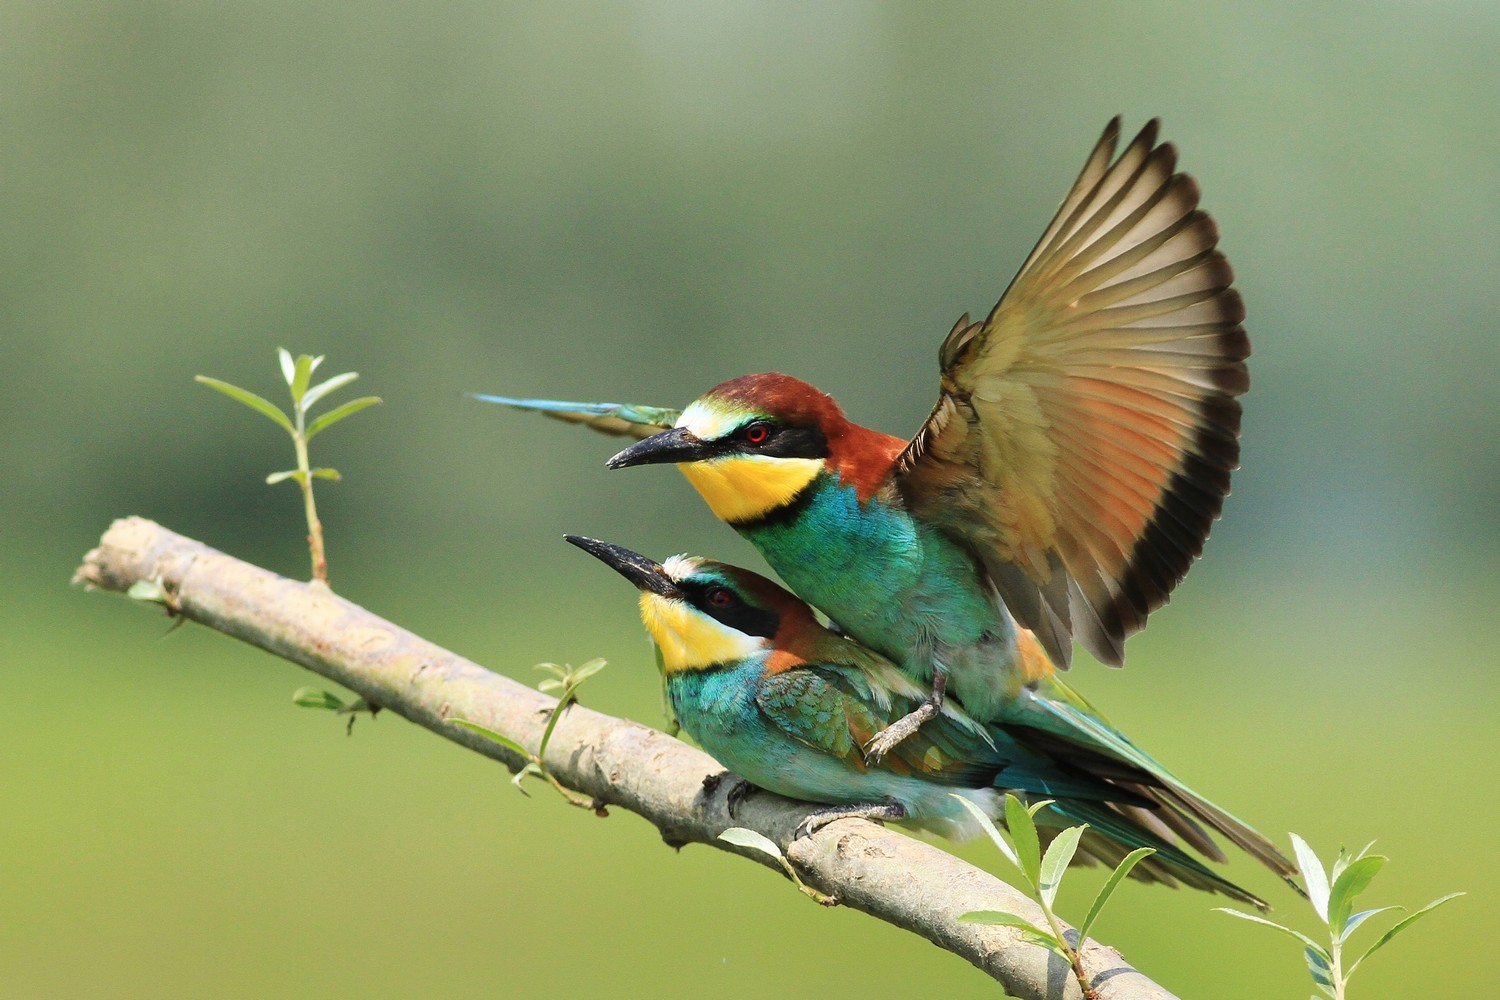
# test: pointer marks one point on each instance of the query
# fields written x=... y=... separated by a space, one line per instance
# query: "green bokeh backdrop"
x=635 y=202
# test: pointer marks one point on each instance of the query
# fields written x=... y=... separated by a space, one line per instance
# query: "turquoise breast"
x=897 y=586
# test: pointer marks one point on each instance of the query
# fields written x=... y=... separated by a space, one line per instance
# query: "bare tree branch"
x=884 y=873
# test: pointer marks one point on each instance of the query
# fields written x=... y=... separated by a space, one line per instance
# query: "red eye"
x=720 y=598
x=757 y=432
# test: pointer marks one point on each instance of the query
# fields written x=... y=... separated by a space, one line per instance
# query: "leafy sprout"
x=1043 y=873
x=298 y=374
x=1332 y=894
x=754 y=841
x=566 y=680
x=311 y=697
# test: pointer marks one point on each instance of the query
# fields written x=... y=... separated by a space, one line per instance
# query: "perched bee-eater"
x=1068 y=475
x=787 y=704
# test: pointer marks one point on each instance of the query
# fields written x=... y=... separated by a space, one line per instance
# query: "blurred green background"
x=635 y=202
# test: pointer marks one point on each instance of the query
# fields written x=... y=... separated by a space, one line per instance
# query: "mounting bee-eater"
x=787 y=704
x=1078 y=453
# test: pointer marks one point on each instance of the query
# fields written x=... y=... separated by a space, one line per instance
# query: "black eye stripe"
x=736 y=614
x=781 y=441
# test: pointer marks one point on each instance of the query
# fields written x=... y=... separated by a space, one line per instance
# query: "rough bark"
x=905 y=882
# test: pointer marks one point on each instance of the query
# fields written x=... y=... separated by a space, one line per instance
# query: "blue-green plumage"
x=1070 y=470
x=788 y=705
x=925 y=605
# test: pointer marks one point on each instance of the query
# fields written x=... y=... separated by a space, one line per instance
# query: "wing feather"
x=833 y=708
x=1086 y=429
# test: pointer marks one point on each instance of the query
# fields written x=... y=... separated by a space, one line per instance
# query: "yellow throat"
x=746 y=487
x=689 y=639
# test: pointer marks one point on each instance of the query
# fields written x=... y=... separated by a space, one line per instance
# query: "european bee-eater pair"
x=1068 y=475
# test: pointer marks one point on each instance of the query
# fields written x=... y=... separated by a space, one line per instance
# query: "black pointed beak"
x=675 y=445
x=633 y=566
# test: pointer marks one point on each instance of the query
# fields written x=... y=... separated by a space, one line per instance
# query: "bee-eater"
x=787 y=704
x=1068 y=475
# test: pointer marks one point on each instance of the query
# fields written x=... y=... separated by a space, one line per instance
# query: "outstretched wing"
x=1084 y=435
x=615 y=419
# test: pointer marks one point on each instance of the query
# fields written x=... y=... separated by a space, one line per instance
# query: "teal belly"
x=717 y=709
x=901 y=588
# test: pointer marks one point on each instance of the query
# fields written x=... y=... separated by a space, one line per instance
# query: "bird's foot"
x=739 y=790
x=905 y=727
x=738 y=793
x=875 y=812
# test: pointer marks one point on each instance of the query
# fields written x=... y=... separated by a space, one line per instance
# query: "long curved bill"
x=644 y=573
x=675 y=445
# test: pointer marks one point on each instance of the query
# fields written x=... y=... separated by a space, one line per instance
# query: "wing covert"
x=834 y=709
x=1086 y=429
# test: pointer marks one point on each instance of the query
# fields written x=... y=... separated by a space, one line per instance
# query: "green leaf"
x=587 y=670
x=1055 y=862
x=277 y=477
x=250 y=399
x=1318 y=964
x=741 y=837
x=1400 y=926
x=1038 y=806
x=1306 y=941
x=322 y=389
x=1023 y=835
x=556 y=714
x=1353 y=880
x=998 y=918
x=288 y=366
x=1110 y=885
x=301 y=376
x=550 y=684
x=524 y=773
x=311 y=697
x=1339 y=864
x=332 y=474
x=147 y=590
x=1313 y=876
x=338 y=413
x=1344 y=860
x=1361 y=917
x=988 y=826
x=490 y=734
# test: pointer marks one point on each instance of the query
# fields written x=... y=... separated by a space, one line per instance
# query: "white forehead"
x=707 y=422
x=680 y=567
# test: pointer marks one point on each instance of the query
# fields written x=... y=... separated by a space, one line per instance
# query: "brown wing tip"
x=1148 y=133
x=1111 y=133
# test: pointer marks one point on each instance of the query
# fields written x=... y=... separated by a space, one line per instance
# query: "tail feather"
x=1113 y=834
x=1060 y=723
x=614 y=419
